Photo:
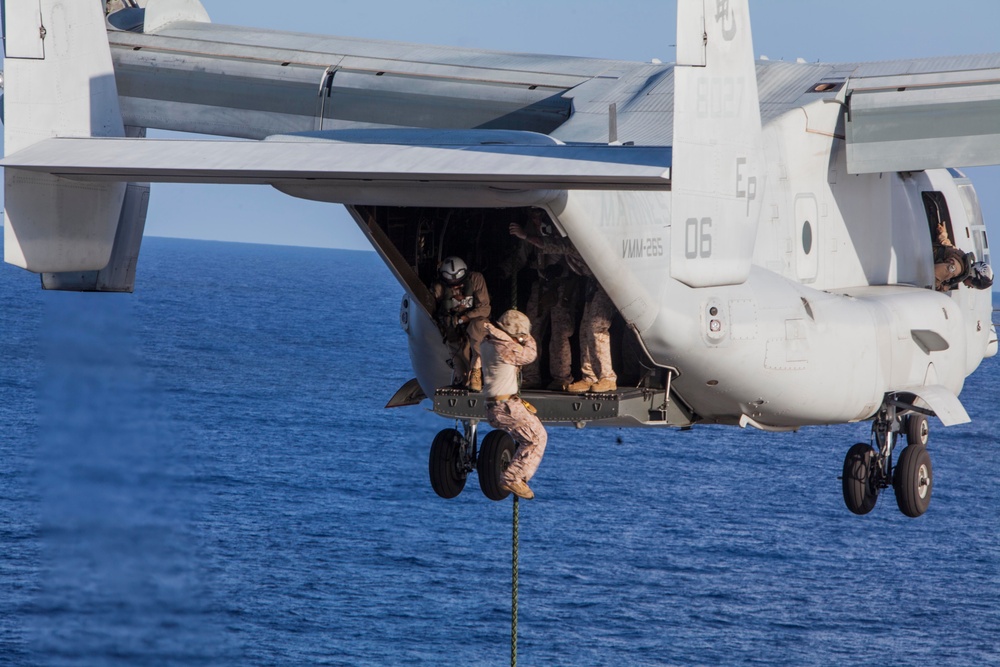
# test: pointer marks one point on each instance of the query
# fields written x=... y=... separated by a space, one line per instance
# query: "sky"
x=828 y=31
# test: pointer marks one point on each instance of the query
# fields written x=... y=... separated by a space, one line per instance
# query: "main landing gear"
x=868 y=469
x=454 y=456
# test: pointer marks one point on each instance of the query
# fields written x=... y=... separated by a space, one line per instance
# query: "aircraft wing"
x=923 y=114
x=232 y=81
x=365 y=162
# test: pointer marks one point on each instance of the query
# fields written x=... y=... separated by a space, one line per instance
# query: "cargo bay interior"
x=413 y=240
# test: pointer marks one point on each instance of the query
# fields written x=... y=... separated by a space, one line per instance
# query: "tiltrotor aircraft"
x=765 y=229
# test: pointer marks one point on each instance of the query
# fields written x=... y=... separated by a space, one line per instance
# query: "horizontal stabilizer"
x=315 y=161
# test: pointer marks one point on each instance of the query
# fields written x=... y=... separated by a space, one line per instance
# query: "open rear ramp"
x=627 y=406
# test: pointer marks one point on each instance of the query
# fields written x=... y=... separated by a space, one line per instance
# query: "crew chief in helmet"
x=980 y=276
x=463 y=308
x=952 y=266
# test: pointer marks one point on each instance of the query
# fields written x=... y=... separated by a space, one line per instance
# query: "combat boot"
x=579 y=387
x=558 y=385
x=605 y=385
x=519 y=489
x=476 y=379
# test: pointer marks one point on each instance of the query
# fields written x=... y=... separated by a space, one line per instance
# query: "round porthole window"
x=807 y=237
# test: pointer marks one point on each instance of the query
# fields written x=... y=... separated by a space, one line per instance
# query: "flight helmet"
x=515 y=323
x=980 y=276
x=453 y=270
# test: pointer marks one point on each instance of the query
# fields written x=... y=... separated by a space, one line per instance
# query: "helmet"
x=453 y=270
x=980 y=276
x=515 y=323
x=542 y=220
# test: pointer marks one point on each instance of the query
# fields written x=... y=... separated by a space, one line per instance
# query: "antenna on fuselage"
x=613 y=124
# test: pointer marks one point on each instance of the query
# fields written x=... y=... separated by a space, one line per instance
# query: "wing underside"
x=928 y=114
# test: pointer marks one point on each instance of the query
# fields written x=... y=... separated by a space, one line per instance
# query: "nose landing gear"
x=868 y=468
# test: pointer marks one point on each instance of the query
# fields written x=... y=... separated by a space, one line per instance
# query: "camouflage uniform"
x=595 y=324
x=470 y=302
x=595 y=336
x=950 y=263
x=551 y=304
x=504 y=409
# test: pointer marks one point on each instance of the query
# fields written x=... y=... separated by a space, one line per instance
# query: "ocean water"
x=203 y=473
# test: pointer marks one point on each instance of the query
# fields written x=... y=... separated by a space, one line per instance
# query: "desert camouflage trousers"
x=549 y=304
x=463 y=345
x=595 y=338
x=529 y=434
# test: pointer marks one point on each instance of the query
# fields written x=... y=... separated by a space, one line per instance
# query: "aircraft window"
x=827 y=87
x=971 y=203
x=937 y=213
x=975 y=214
x=807 y=237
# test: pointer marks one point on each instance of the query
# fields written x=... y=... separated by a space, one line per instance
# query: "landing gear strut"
x=868 y=468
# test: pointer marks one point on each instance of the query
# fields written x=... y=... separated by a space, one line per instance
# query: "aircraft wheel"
x=445 y=464
x=917 y=430
x=494 y=456
x=913 y=480
x=860 y=491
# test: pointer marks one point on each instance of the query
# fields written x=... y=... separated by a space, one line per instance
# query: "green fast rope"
x=514 y=535
x=513 y=284
x=513 y=590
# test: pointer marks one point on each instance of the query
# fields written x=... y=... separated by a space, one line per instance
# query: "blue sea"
x=203 y=473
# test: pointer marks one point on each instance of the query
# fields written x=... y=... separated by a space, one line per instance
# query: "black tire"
x=860 y=491
x=913 y=480
x=445 y=464
x=917 y=430
x=494 y=457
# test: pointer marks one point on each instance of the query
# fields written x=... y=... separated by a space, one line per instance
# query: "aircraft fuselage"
x=838 y=309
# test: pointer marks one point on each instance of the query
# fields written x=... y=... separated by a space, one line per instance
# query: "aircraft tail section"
x=59 y=82
x=718 y=164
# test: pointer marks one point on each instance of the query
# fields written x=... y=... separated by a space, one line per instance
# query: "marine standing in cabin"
x=551 y=304
x=463 y=309
x=507 y=346
x=596 y=370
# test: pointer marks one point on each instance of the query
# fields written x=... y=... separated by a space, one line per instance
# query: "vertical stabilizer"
x=717 y=172
x=160 y=13
x=60 y=85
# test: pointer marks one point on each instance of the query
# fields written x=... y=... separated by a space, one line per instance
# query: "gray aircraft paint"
x=817 y=326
